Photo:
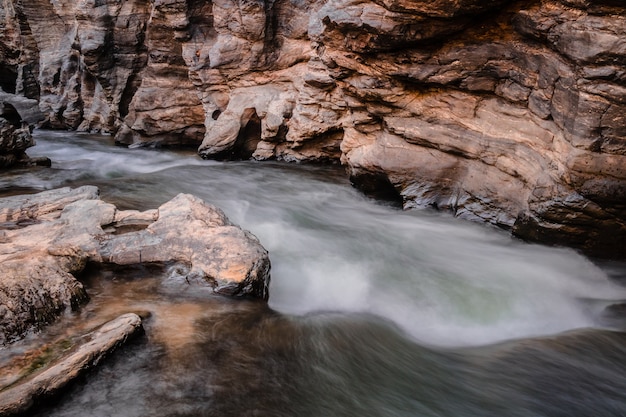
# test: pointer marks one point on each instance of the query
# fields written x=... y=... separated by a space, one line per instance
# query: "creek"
x=373 y=311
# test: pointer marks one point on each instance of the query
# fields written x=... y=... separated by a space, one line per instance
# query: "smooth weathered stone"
x=23 y=395
x=216 y=253
x=47 y=238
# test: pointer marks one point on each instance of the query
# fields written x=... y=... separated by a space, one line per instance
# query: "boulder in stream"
x=48 y=238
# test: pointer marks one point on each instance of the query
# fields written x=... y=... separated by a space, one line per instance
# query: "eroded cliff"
x=513 y=113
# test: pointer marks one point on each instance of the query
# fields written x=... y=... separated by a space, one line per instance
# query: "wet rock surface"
x=19 y=398
x=505 y=112
x=48 y=238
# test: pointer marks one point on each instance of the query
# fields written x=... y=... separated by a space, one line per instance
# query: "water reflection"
x=243 y=359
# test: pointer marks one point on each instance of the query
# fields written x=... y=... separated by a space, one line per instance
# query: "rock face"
x=48 y=237
x=507 y=112
x=17 y=114
x=14 y=141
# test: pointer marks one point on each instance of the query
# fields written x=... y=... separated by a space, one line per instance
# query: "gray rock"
x=17 y=117
x=27 y=109
x=13 y=143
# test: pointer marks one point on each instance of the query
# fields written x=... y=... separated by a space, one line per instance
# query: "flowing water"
x=373 y=311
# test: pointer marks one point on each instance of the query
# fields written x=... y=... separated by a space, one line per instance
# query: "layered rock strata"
x=48 y=238
x=507 y=112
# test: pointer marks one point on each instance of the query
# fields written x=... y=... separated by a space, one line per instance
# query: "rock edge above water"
x=47 y=238
x=20 y=398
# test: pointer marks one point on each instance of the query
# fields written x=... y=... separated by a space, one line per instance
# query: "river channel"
x=373 y=311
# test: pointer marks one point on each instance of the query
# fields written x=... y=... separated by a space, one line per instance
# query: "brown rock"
x=492 y=110
x=199 y=236
x=47 y=237
x=19 y=398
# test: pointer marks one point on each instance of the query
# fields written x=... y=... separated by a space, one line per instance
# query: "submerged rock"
x=47 y=238
x=23 y=395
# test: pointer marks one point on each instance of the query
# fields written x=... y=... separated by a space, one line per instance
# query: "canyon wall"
x=507 y=112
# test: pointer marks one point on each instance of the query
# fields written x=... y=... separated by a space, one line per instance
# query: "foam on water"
x=443 y=281
x=96 y=157
x=352 y=278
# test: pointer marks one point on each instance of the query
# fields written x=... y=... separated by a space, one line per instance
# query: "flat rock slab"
x=47 y=238
x=20 y=398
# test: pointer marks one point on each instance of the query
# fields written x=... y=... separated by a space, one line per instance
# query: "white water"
x=376 y=312
x=443 y=281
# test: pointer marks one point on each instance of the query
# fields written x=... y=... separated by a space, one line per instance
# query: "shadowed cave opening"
x=377 y=186
x=249 y=137
x=8 y=79
x=11 y=115
x=247 y=140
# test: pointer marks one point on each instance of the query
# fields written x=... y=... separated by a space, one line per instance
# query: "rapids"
x=373 y=311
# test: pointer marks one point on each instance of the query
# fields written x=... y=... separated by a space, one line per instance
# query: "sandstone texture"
x=13 y=143
x=48 y=238
x=21 y=397
x=507 y=112
x=17 y=116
